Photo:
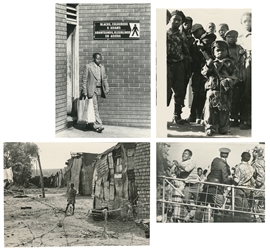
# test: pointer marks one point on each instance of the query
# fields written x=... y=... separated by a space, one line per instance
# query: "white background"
x=28 y=106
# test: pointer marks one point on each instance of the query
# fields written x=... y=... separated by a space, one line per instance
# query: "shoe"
x=208 y=132
x=89 y=126
x=99 y=130
x=198 y=121
x=178 y=120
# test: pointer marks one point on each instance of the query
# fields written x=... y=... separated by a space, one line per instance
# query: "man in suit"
x=95 y=85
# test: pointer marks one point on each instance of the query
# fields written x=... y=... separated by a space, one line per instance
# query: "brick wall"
x=60 y=67
x=127 y=63
x=142 y=179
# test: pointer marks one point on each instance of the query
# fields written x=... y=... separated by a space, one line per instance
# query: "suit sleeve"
x=84 y=80
x=225 y=172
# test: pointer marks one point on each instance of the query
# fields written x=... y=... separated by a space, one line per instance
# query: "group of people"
x=199 y=189
x=217 y=62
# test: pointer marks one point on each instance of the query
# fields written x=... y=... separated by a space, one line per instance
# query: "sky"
x=54 y=155
x=204 y=153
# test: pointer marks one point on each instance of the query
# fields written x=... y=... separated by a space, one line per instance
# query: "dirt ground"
x=34 y=221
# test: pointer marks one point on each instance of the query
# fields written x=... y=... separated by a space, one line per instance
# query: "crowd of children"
x=217 y=63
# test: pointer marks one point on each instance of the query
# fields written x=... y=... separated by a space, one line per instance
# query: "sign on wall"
x=116 y=30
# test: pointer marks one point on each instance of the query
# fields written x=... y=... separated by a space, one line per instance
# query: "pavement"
x=194 y=130
x=108 y=132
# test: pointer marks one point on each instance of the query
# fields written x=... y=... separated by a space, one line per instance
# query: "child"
x=236 y=53
x=197 y=80
x=245 y=42
x=221 y=76
x=71 y=197
x=177 y=56
x=211 y=28
x=222 y=29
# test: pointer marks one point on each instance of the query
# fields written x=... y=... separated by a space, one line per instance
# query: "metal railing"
x=231 y=203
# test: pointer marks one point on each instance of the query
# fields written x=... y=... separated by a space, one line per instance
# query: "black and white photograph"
x=120 y=114
x=208 y=92
x=210 y=182
x=103 y=70
x=76 y=194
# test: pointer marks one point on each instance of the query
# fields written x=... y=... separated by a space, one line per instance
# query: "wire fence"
x=197 y=201
x=105 y=230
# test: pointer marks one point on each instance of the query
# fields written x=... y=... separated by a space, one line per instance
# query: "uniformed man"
x=219 y=173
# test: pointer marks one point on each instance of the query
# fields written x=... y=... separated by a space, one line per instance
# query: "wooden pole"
x=105 y=234
x=41 y=177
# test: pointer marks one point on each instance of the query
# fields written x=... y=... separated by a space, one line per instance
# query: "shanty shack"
x=79 y=170
x=122 y=178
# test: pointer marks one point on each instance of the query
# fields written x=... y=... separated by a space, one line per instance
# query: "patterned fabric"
x=177 y=48
x=243 y=174
x=259 y=166
x=237 y=54
x=222 y=97
x=179 y=211
x=190 y=171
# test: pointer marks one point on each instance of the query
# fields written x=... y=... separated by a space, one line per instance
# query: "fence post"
x=163 y=198
x=233 y=201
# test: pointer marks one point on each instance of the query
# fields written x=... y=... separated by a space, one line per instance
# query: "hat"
x=208 y=35
x=195 y=27
x=179 y=13
x=225 y=150
x=219 y=44
x=232 y=33
x=188 y=18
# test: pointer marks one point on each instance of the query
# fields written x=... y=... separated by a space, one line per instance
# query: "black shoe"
x=178 y=120
x=99 y=130
x=89 y=126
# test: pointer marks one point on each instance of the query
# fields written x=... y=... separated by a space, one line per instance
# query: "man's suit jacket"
x=90 y=80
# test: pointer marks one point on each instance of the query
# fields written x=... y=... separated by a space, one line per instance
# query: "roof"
x=45 y=172
x=126 y=145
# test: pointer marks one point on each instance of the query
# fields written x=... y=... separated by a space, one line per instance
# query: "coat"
x=220 y=172
x=90 y=80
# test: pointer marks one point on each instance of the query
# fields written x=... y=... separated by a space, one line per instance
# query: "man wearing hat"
x=237 y=54
x=258 y=164
x=243 y=177
x=177 y=54
x=219 y=173
x=221 y=75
